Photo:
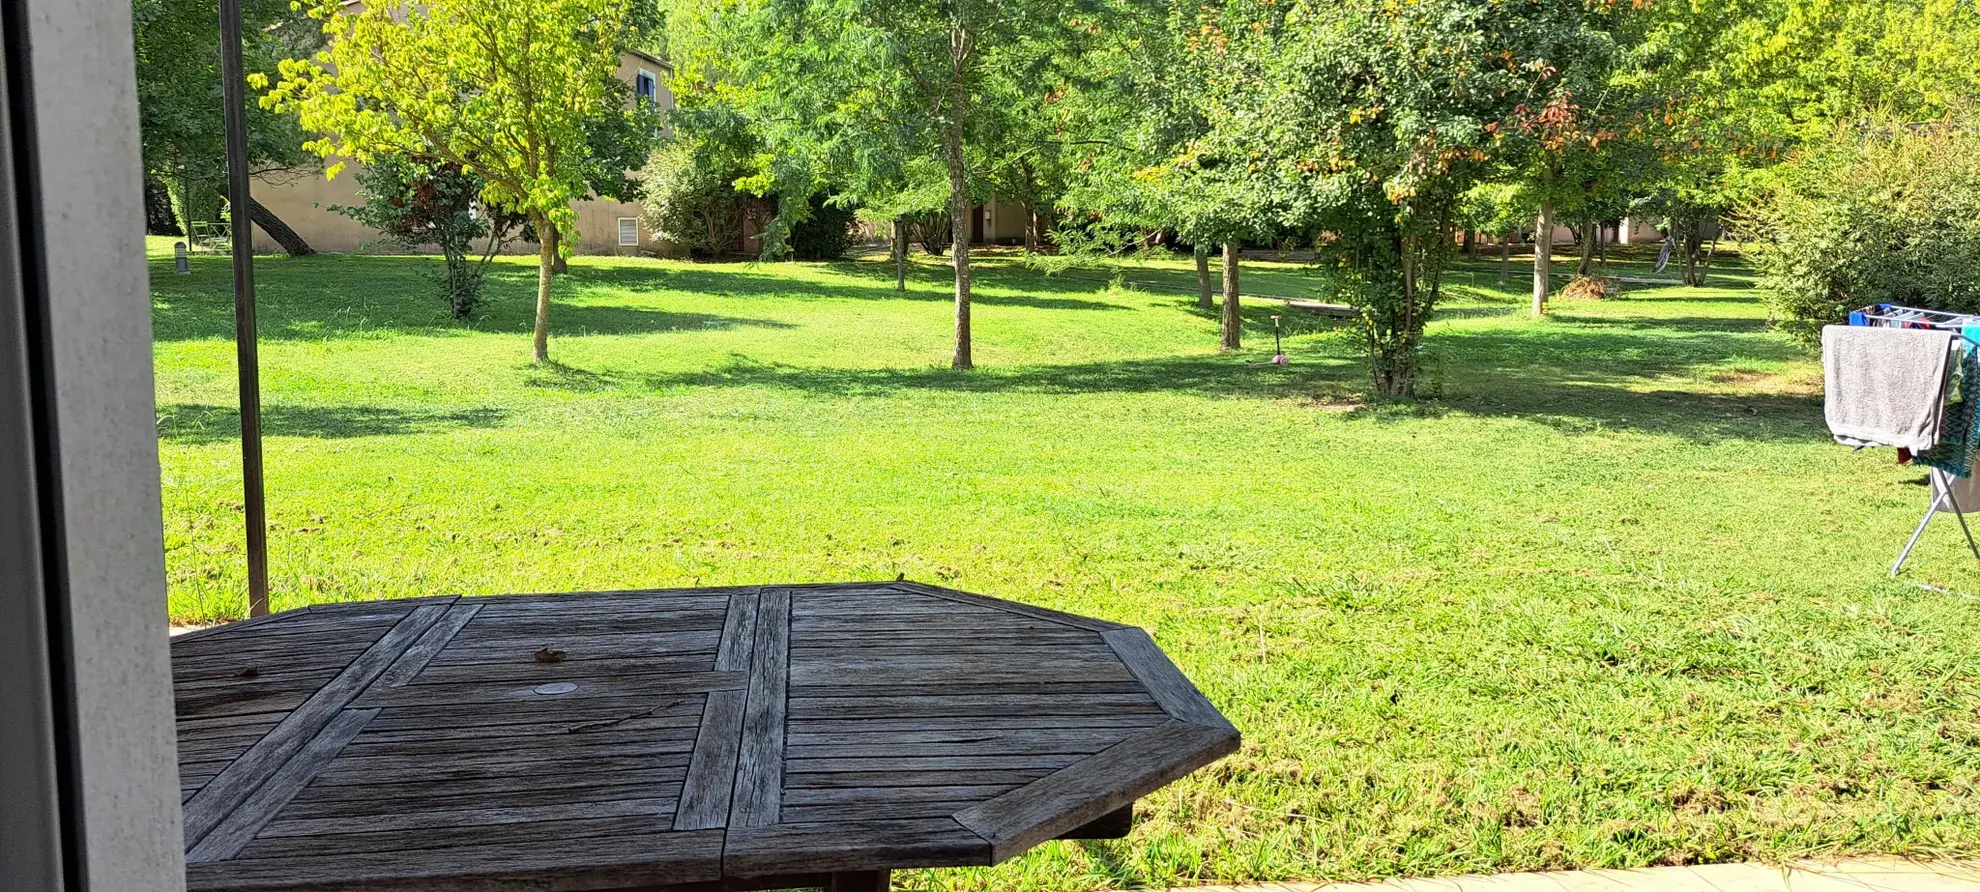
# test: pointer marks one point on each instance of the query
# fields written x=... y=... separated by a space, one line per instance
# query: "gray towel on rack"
x=1885 y=386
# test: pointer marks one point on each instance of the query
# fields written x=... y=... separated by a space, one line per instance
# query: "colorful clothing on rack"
x=1960 y=436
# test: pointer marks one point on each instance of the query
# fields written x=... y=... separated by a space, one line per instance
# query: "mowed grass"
x=1609 y=598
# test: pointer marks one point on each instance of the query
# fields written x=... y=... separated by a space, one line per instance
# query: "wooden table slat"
x=1166 y=683
x=588 y=688
x=369 y=807
x=241 y=825
x=864 y=780
x=1090 y=789
x=414 y=660
x=480 y=767
x=707 y=793
x=474 y=816
x=526 y=668
x=231 y=787
x=760 y=764
x=383 y=792
x=574 y=713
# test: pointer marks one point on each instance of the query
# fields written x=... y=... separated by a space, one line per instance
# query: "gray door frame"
x=88 y=762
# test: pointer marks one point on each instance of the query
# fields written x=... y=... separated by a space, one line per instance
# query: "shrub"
x=933 y=230
x=827 y=234
x=419 y=202
x=1878 y=214
x=692 y=201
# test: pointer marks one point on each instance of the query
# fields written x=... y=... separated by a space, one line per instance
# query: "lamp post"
x=233 y=90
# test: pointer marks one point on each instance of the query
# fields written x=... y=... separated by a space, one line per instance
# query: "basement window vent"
x=628 y=232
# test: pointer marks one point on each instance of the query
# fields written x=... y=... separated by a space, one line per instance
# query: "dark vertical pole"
x=234 y=94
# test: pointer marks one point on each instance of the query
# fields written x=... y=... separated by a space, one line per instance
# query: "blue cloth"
x=1960 y=436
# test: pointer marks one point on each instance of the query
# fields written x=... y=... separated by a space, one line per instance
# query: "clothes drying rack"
x=1967 y=327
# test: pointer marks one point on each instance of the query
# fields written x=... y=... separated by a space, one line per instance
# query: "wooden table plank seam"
x=239 y=780
x=245 y=822
x=1078 y=622
x=707 y=792
x=414 y=660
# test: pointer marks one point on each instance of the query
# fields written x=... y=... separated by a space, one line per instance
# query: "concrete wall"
x=91 y=491
x=303 y=200
x=1003 y=222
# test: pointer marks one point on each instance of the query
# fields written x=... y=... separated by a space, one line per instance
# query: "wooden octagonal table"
x=741 y=738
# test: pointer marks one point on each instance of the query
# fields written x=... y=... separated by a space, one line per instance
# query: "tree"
x=1370 y=120
x=179 y=108
x=508 y=92
x=1742 y=87
x=918 y=196
x=852 y=92
x=1142 y=165
x=418 y=202
x=1563 y=148
x=1501 y=209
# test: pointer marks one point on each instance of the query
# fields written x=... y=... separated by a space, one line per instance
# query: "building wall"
x=303 y=199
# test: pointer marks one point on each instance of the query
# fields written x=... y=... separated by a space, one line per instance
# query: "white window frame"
x=651 y=76
x=623 y=243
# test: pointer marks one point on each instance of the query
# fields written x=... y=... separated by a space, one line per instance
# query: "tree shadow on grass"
x=1579 y=407
x=333 y=296
x=1610 y=350
x=762 y=280
x=193 y=424
x=1575 y=379
x=1728 y=324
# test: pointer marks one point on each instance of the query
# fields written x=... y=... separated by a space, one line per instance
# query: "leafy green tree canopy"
x=505 y=91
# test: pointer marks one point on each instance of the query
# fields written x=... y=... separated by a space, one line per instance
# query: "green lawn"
x=1611 y=598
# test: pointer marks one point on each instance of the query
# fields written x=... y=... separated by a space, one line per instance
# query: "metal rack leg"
x=1961 y=514
x=1942 y=497
x=1930 y=509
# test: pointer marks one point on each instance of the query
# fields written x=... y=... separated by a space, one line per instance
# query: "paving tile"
x=1855 y=875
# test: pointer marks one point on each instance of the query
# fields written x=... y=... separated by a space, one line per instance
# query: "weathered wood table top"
x=708 y=738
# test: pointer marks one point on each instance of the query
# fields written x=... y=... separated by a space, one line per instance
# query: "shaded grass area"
x=1608 y=599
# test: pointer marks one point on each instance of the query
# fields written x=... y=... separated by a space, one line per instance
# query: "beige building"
x=303 y=199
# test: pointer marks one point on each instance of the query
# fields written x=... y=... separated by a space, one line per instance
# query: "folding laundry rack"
x=1967 y=327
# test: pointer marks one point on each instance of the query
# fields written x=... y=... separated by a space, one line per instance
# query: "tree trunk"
x=1396 y=366
x=1602 y=246
x=900 y=255
x=558 y=265
x=952 y=148
x=1706 y=268
x=1543 y=258
x=1471 y=243
x=1505 y=258
x=546 y=258
x=278 y=230
x=1588 y=237
x=1030 y=229
x=1232 y=319
x=1203 y=297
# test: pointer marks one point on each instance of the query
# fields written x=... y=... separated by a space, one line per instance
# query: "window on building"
x=647 y=85
x=629 y=232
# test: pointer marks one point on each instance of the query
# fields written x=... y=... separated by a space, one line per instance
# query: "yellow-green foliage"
x=1884 y=213
x=501 y=88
